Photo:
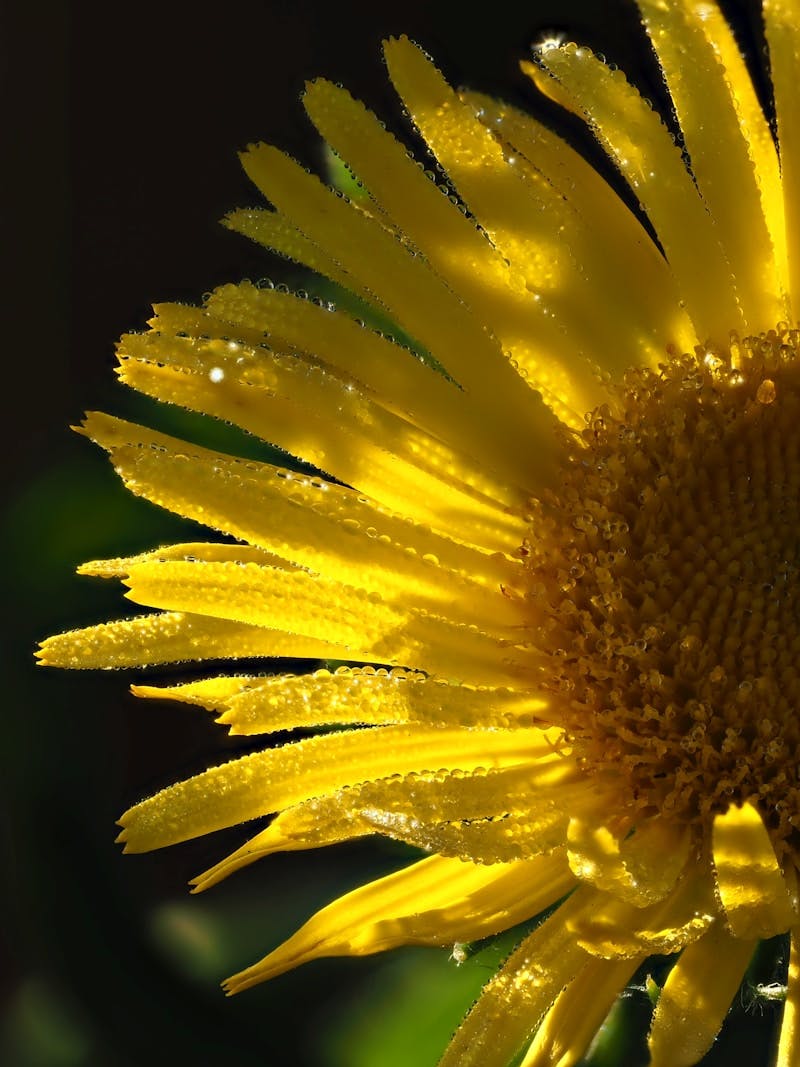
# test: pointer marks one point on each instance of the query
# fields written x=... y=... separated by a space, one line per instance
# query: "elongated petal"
x=360 y=810
x=644 y=151
x=527 y=827
x=188 y=552
x=720 y=158
x=280 y=836
x=643 y=288
x=751 y=886
x=452 y=243
x=435 y=902
x=696 y=998
x=320 y=525
x=207 y=693
x=353 y=695
x=274 y=231
x=265 y=782
x=578 y=1012
x=753 y=125
x=364 y=696
x=782 y=19
x=515 y=1000
x=789 y=1043
x=172 y=637
x=414 y=296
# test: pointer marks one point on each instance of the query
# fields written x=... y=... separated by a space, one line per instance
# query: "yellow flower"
x=574 y=636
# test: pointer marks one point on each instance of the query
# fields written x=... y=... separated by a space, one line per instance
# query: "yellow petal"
x=644 y=151
x=578 y=1013
x=208 y=552
x=289 y=831
x=300 y=603
x=527 y=827
x=782 y=19
x=361 y=810
x=353 y=695
x=641 y=868
x=286 y=401
x=616 y=928
x=643 y=288
x=271 y=229
x=172 y=637
x=720 y=159
x=318 y=524
x=789 y=1043
x=696 y=998
x=265 y=782
x=754 y=128
x=514 y=1001
x=751 y=886
x=414 y=296
x=435 y=902
x=208 y=693
x=448 y=810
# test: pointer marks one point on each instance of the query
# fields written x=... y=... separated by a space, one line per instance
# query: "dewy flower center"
x=668 y=561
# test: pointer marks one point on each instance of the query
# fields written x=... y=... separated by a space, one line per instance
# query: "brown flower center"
x=666 y=581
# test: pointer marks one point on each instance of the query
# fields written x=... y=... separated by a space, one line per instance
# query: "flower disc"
x=668 y=561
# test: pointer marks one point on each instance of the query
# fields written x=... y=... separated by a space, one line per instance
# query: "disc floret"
x=667 y=563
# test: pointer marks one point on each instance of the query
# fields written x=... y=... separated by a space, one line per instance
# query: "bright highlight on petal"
x=537 y=569
x=751 y=886
x=578 y=1012
x=696 y=998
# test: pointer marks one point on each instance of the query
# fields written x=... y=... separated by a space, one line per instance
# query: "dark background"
x=122 y=124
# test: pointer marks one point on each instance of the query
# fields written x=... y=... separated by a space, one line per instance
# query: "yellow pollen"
x=665 y=585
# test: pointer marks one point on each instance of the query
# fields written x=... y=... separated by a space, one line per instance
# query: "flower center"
x=666 y=586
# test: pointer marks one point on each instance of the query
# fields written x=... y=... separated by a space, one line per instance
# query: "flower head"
x=570 y=638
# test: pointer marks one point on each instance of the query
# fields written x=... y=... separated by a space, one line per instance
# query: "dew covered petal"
x=434 y=902
x=641 y=868
x=696 y=997
x=515 y=1000
x=175 y=637
x=782 y=23
x=297 y=602
x=640 y=145
x=751 y=886
x=571 y=1023
x=349 y=696
x=619 y=929
x=720 y=158
x=265 y=782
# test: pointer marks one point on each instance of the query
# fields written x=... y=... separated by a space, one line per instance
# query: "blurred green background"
x=130 y=118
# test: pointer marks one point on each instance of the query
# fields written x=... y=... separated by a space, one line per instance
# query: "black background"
x=122 y=127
